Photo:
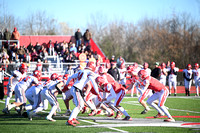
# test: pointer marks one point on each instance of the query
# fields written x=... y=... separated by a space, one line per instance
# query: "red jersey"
x=116 y=87
x=66 y=88
x=154 y=84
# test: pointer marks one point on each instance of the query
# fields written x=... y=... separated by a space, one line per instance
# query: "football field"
x=185 y=110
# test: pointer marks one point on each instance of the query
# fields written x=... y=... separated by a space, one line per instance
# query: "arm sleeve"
x=94 y=84
x=71 y=77
x=112 y=93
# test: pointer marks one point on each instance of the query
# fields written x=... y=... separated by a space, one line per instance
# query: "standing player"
x=163 y=76
x=122 y=74
x=82 y=77
x=146 y=68
x=187 y=74
x=13 y=80
x=161 y=93
x=172 y=72
x=136 y=69
x=196 y=75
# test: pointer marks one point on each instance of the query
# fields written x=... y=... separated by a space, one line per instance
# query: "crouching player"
x=21 y=87
x=116 y=91
x=161 y=93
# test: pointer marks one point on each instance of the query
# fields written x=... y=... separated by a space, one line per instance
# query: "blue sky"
x=78 y=12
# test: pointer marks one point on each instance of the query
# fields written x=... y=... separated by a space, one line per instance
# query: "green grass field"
x=178 y=106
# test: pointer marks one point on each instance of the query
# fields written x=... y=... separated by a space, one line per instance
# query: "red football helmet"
x=163 y=65
x=172 y=65
x=23 y=68
x=102 y=70
x=135 y=65
x=66 y=76
x=196 y=65
x=142 y=74
x=91 y=66
x=101 y=81
x=145 y=65
x=54 y=76
x=130 y=69
x=37 y=74
x=189 y=66
x=60 y=77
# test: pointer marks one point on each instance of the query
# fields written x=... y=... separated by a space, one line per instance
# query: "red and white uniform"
x=163 y=77
x=161 y=93
x=48 y=93
x=115 y=91
x=188 y=75
x=172 y=77
x=81 y=78
x=66 y=90
x=148 y=70
x=16 y=78
x=196 y=75
x=34 y=97
x=122 y=75
x=22 y=86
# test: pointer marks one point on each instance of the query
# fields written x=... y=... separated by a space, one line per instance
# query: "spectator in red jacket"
x=15 y=34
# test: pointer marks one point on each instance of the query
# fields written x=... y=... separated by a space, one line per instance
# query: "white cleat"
x=50 y=119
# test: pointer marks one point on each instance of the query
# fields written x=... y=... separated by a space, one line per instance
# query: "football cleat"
x=158 y=115
x=84 y=109
x=50 y=119
x=144 y=111
x=68 y=113
x=93 y=113
x=169 y=120
x=70 y=122
x=22 y=109
x=127 y=118
x=75 y=121
x=118 y=115
x=30 y=115
x=5 y=111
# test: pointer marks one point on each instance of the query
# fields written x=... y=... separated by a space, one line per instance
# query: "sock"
x=7 y=101
x=121 y=109
x=53 y=110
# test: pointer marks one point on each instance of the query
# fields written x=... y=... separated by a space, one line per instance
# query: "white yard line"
x=105 y=126
x=136 y=103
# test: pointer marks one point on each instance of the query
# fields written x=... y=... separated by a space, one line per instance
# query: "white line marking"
x=134 y=103
x=172 y=124
x=96 y=124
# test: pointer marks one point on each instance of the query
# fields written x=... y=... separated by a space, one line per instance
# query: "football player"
x=196 y=76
